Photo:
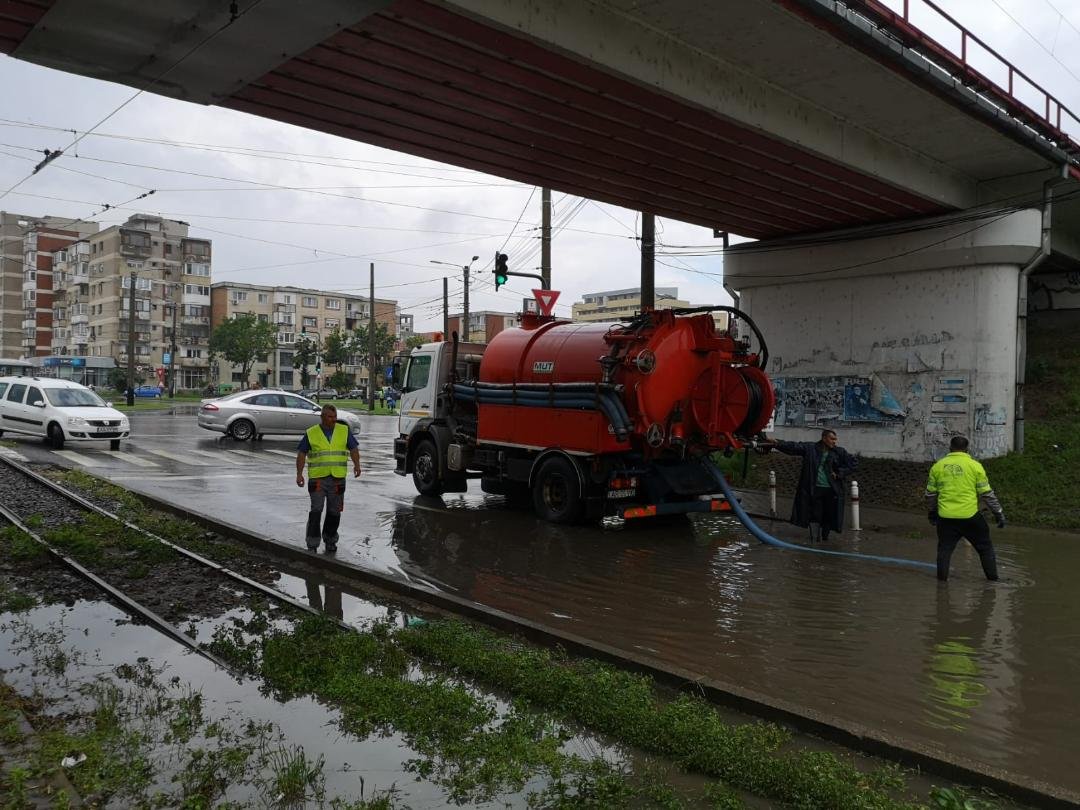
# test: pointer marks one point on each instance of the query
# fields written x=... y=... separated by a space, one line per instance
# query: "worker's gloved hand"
x=1000 y=520
x=931 y=515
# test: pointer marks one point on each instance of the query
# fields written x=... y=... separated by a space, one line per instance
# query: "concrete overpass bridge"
x=845 y=136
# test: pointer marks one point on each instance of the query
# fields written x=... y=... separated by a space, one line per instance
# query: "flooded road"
x=986 y=671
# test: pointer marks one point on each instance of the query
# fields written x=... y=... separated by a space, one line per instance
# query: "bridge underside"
x=744 y=116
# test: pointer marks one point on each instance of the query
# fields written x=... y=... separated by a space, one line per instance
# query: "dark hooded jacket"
x=840 y=464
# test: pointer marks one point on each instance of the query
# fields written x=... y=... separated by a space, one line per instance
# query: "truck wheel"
x=425 y=474
x=557 y=492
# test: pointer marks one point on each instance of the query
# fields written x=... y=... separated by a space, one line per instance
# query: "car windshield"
x=73 y=398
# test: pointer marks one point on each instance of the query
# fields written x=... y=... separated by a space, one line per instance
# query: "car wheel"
x=242 y=430
x=56 y=436
x=114 y=444
x=426 y=468
x=259 y=437
x=557 y=492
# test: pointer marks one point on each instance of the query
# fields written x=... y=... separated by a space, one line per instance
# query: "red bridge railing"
x=1053 y=120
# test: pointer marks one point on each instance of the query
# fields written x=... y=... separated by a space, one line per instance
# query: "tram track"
x=39 y=490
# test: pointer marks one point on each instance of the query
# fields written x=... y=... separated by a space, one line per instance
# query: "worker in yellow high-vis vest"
x=956 y=484
x=326 y=449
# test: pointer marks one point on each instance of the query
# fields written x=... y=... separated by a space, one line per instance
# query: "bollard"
x=855 y=527
x=772 y=493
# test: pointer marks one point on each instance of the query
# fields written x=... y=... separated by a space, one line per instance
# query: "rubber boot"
x=815 y=533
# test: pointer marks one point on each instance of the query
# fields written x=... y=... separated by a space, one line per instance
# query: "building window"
x=140 y=283
x=239 y=296
x=196 y=289
x=331 y=323
x=333 y=303
x=168 y=249
x=199 y=269
x=196 y=248
x=310 y=322
x=193 y=353
x=263 y=318
x=309 y=301
x=286 y=337
x=264 y=298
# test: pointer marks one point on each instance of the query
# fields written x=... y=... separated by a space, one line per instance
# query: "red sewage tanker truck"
x=586 y=420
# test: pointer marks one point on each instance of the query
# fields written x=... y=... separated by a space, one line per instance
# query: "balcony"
x=80 y=318
x=195 y=320
x=29 y=284
x=284 y=319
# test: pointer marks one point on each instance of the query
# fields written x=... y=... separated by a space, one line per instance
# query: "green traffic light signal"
x=502 y=274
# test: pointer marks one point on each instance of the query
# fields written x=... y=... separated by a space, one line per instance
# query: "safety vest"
x=958 y=480
x=328 y=457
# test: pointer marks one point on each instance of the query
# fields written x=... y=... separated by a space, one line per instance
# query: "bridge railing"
x=1053 y=119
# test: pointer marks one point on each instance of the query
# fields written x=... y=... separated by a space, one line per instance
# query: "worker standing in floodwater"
x=819 y=497
x=956 y=484
x=326 y=448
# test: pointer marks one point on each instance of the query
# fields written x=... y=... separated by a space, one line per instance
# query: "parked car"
x=251 y=414
x=151 y=391
x=60 y=411
x=356 y=393
x=328 y=393
x=309 y=393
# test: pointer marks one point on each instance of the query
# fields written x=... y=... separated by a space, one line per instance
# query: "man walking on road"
x=819 y=498
x=326 y=448
x=954 y=488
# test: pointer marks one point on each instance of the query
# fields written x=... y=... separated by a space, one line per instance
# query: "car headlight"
x=77 y=420
x=124 y=423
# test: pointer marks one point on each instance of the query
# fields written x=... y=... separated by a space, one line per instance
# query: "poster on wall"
x=823 y=401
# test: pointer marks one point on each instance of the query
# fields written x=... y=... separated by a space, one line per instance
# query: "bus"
x=16 y=368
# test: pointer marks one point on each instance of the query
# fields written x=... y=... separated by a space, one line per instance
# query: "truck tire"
x=557 y=492
x=425 y=474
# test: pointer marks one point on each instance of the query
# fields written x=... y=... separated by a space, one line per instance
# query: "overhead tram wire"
x=236 y=15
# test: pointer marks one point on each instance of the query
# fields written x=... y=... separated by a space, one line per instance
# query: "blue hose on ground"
x=769 y=540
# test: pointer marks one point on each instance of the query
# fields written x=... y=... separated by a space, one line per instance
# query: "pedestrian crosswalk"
x=155 y=458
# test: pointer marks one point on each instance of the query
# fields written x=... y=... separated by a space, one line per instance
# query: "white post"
x=772 y=493
x=855 y=506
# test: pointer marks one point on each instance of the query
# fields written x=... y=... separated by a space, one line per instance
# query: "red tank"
x=680 y=382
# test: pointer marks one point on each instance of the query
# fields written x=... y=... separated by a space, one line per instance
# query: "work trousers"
x=975 y=530
x=822 y=513
x=328 y=491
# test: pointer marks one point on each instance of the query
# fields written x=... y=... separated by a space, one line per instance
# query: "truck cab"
x=426 y=426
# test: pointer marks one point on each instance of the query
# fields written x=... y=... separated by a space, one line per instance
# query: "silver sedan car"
x=250 y=414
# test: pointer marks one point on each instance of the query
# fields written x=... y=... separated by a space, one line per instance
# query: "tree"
x=384 y=348
x=242 y=340
x=305 y=353
x=415 y=342
x=338 y=348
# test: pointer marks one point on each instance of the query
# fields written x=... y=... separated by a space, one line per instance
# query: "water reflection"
x=331 y=603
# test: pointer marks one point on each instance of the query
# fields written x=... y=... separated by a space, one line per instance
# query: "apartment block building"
x=611 y=305
x=295 y=311
x=484 y=325
x=27 y=244
x=171 y=274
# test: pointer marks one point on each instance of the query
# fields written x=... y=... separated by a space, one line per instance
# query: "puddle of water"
x=986 y=671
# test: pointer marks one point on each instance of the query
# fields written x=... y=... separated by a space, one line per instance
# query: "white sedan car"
x=250 y=414
x=60 y=411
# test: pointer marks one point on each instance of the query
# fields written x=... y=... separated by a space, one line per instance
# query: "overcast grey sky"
x=362 y=203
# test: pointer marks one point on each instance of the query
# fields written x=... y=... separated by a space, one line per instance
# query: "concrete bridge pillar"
x=899 y=336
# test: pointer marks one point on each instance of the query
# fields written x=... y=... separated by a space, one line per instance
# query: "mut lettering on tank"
x=543 y=366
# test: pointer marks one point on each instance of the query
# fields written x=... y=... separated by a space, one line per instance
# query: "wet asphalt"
x=985 y=671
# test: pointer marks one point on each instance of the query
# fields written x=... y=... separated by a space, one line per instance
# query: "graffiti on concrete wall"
x=990 y=437
x=832 y=400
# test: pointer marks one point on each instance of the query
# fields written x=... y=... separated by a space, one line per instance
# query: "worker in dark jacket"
x=819 y=498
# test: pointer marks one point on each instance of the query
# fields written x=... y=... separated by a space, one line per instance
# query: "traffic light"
x=501 y=271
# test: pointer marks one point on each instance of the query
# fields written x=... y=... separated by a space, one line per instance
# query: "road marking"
x=281 y=453
x=183 y=459
x=170 y=477
x=79 y=458
x=131 y=458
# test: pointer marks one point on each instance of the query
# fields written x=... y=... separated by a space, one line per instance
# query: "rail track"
x=56 y=500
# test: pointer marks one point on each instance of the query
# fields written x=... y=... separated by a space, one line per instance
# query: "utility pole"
x=545 y=238
x=371 y=343
x=172 y=354
x=131 y=342
x=445 y=308
x=648 y=261
x=465 y=317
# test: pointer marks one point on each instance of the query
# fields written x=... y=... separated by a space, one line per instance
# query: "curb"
x=851 y=735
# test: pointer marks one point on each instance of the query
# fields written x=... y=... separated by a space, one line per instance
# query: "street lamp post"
x=465 y=270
